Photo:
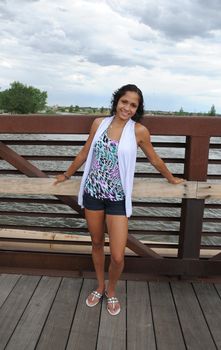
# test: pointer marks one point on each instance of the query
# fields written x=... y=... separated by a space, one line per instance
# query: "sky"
x=80 y=51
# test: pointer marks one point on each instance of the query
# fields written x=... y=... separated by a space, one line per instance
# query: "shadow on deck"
x=50 y=313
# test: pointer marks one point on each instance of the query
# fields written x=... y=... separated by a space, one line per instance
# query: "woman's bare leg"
x=118 y=231
x=95 y=222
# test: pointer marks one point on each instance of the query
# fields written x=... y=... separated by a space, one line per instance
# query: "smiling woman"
x=106 y=186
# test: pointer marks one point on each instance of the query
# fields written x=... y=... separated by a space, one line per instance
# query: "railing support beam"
x=197 y=151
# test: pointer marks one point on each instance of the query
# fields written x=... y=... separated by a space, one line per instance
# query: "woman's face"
x=127 y=105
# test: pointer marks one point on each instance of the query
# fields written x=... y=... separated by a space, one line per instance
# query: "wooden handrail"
x=143 y=188
x=80 y=124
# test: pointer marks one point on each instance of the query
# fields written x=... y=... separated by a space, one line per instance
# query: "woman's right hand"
x=60 y=178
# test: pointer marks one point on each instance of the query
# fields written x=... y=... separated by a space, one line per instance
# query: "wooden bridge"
x=170 y=290
x=182 y=247
x=29 y=144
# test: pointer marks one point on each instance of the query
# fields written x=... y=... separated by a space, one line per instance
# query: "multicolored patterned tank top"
x=103 y=180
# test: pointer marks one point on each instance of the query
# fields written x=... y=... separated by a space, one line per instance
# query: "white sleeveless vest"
x=127 y=153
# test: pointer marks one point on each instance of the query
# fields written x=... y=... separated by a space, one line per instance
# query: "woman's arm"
x=143 y=141
x=81 y=156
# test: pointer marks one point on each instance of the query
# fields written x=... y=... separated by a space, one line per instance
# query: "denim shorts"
x=109 y=207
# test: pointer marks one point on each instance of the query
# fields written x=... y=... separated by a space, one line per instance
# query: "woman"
x=106 y=186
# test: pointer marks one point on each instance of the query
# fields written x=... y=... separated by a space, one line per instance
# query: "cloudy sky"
x=80 y=51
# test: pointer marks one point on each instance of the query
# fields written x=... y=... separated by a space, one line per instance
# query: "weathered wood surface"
x=57 y=327
x=165 y=317
x=143 y=188
x=210 y=301
x=146 y=188
x=73 y=243
x=12 y=310
x=7 y=283
x=196 y=330
x=84 y=329
x=208 y=190
x=140 y=327
x=29 y=327
x=50 y=313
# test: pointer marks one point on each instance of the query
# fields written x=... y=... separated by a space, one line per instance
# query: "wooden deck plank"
x=166 y=323
x=112 y=331
x=14 y=306
x=32 y=321
x=195 y=329
x=140 y=332
x=7 y=283
x=86 y=321
x=211 y=305
x=56 y=330
x=218 y=288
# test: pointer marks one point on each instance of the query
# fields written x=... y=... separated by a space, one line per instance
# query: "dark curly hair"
x=121 y=92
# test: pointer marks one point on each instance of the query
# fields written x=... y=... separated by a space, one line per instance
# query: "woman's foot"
x=113 y=305
x=94 y=298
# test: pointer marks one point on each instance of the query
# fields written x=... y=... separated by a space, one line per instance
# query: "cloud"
x=5 y=13
x=82 y=48
x=68 y=33
x=177 y=20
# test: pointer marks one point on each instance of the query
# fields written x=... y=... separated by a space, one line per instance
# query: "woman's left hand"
x=176 y=180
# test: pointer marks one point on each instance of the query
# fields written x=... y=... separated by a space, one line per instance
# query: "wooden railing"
x=142 y=189
x=30 y=239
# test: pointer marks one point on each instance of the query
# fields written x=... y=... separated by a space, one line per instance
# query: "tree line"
x=23 y=99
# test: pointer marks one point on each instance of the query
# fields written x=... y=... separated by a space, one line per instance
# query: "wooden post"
x=196 y=163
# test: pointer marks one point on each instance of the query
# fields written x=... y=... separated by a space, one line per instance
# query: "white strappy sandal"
x=96 y=298
x=112 y=301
